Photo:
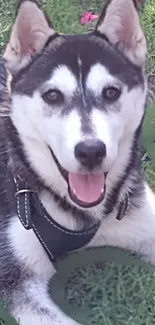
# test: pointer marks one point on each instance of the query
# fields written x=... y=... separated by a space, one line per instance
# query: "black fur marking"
x=11 y=270
x=132 y=171
x=31 y=78
x=51 y=39
x=97 y=33
x=67 y=51
x=3 y=75
x=103 y=14
x=136 y=4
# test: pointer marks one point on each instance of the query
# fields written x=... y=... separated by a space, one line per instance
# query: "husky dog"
x=70 y=167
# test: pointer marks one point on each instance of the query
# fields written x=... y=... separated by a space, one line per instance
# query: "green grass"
x=114 y=294
x=65 y=15
x=148 y=23
x=106 y=286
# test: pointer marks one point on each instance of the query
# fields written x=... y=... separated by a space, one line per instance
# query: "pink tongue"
x=87 y=188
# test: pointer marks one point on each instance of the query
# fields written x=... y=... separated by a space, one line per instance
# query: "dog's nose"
x=90 y=153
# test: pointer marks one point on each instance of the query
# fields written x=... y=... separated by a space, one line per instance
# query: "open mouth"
x=86 y=190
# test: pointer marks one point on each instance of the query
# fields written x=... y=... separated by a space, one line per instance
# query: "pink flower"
x=87 y=17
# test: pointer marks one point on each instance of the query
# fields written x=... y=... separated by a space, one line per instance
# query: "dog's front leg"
x=32 y=305
x=135 y=232
x=26 y=279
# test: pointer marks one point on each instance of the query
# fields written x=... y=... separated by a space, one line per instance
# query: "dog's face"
x=78 y=100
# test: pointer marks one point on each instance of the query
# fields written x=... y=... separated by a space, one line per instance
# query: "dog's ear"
x=120 y=23
x=29 y=35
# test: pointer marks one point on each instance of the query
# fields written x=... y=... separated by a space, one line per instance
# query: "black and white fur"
x=80 y=67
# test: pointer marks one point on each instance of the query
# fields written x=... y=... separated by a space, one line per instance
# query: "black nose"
x=90 y=153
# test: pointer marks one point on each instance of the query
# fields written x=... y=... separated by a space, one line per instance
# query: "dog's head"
x=78 y=99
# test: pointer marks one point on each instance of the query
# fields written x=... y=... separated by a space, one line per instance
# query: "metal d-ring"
x=24 y=191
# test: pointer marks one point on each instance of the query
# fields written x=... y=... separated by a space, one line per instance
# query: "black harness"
x=56 y=239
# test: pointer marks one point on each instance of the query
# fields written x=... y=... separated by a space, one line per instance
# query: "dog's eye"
x=111 y=94
x=53 y=96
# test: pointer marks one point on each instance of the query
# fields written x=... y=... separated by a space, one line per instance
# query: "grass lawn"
x=66 y=15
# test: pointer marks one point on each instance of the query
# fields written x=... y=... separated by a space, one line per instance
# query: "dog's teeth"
x=102 y=191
